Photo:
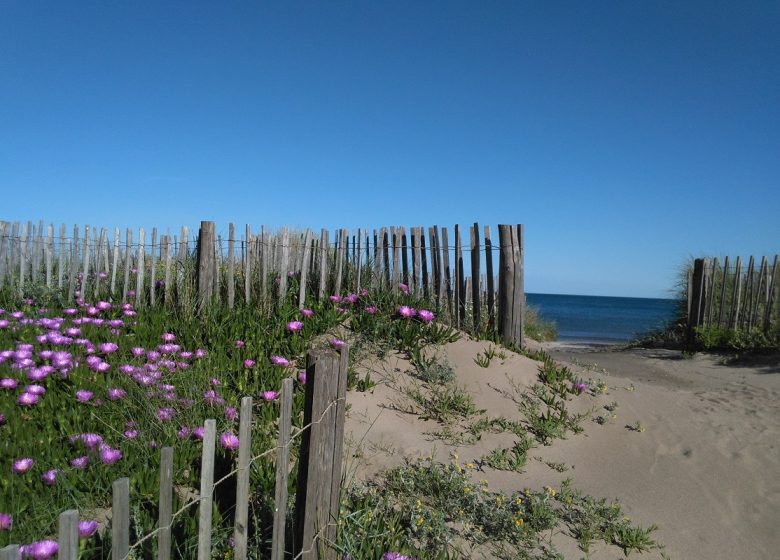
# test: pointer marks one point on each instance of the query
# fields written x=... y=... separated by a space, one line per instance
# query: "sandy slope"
x=706 y=469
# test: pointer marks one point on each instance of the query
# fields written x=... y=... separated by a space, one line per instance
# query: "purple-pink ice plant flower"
x=229 y=441
x=425 y=315
x=294 y=326
x=87 y=529
x=406 y=312
x=21 y=466
x=280 y=361
x=337 y=343
x=6 y=520
x=270 y=395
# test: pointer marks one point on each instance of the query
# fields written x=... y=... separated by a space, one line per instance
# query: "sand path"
x=705 y=468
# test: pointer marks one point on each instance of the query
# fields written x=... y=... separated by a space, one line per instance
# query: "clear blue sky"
x=626 y=136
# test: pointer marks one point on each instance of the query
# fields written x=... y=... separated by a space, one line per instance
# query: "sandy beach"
x=693 y=445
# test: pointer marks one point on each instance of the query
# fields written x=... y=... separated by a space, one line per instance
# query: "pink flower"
x=109 y=456
x=87 y=529
x=108 y=347
x=166 y=414
x=406 y=311
x=351 y=298
x=137 y=351
x=270 y=395
x=198 y=432
x=307 y=312
x=184 y=432
x=425 y=315
x=8 y=383
x=41 y=550
x=6 y=520
x=249 y=363
x=27 y=399
x=21 y=466
x=228 y=441
x=240 y=343
x=168 y=337
x=231 y=413
x=294 y=326
x=302 y=377
x=335 y=298
x=49 y=478
x=80 y=462
x=404 y=288
x=280 y=361
x=114 y=393
x=131 y=434
x=337 y=343
x=84 y=396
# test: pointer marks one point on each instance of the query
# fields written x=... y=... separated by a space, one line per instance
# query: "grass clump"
x=537 y=327
x=433 y=510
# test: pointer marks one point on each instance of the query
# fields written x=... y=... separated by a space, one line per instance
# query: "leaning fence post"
x=282 y=468
x=319 y=442
x=206 y=487
x=242 y=479
x=120 y=519
x=68 y=535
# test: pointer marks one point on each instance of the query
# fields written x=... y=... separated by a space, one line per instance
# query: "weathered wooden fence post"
x=120 y=519
x=511 y=299
x=475 y=269
x=68 y=535
x=10 y=552
x=697 y=298
x=206 y=486
x=319 y=467
x=206 y=263
x=282 y=466
x=241 y=530
x=166 y=504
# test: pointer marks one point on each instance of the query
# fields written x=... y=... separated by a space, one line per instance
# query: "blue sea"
x=597 y=319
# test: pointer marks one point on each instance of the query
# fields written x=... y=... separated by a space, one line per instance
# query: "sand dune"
x=704 y=469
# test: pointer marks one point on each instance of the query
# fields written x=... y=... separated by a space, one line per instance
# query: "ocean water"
x=597 y=319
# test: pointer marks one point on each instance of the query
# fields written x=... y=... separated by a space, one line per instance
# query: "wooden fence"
x=731 y=296
x=255 y=267
x=318 y=484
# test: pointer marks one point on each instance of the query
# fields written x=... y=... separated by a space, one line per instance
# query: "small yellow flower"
x=420 y=520
x=469 y=465
x=518 y=522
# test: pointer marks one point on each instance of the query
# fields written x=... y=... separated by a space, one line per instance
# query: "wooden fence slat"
x=10 y=552
x=415 y=261
x=304 y=276
x=423 y=263
x=447 y=279
x=395 y=236
x=166 y=502
x=358 y=260
x=722 y=303
x=61 y=258
x=231 y=272
x=153 y=268
x=489 y=286
x=85 y=262
x=241 y=530
x=68 y=535
x=338 y=444
x=139 y=266
x=120 y=519
x=206 y=266
x=460 y=281
x=385 y=257
x=285 y=264
x=73 y=266
x=433 y=244
x=206 y=486
x=316 y=454
x=735 y=300
x=127 y=263
x=323 y=264
x=772 y=284
x=3 y=239
x=475 y=270
x=22 y=258
x=282 y=469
